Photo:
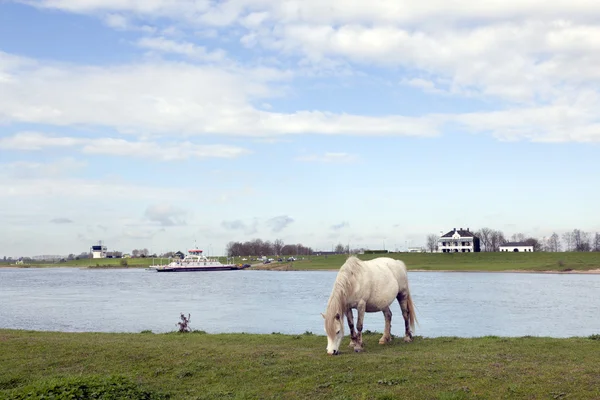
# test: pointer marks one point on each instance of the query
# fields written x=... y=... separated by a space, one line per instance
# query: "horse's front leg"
x=359 y=325
x=387 y=335
x=350 y=319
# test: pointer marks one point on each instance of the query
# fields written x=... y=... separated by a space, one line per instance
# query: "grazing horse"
x=367 y=286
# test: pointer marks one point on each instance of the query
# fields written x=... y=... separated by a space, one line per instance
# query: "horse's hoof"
x=407 y=339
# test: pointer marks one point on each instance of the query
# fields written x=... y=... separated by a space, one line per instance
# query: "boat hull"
x=200 y=268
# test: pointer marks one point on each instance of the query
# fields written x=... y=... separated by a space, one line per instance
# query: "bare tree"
x=581 y=240
x=432 y=243
x=554 y=242
x=339 y=248
x=267 y=248
x=537 y=246
x=518 y=237
x=496 y=239
x=596 y=242
x=277 y=246
x=484 y=235
x=567 y=237
x=135 y=253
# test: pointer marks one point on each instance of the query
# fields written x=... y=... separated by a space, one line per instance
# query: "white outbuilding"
x=517 y=247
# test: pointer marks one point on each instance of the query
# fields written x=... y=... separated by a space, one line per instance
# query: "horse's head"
x=334 y=327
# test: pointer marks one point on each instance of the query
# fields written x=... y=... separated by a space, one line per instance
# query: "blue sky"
x=162 y=124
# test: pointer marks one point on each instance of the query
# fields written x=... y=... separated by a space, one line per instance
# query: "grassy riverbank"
x=243 y=366
x=556 y=262
x=541 y=261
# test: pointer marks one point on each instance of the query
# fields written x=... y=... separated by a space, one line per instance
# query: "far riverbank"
x=541 y=262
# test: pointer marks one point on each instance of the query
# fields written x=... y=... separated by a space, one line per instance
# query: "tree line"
x=258 y=247
x=491 y=240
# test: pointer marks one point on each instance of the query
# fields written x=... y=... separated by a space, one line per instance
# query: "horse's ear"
x=323 y=315
x=337 y=316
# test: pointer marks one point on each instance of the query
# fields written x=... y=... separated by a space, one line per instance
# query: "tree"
x=595 y=247
x=135 y=253
x=568 y=239
x=580 y=240
x=554 y=243
x=496 y=239
x=518 y=237
x=432 y=243
x=537 y=246
x=484 y=235
x=339 y=248
x=277 y=246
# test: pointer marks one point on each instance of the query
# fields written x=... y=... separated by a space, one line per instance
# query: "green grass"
x=494 y=261
x=244 y=366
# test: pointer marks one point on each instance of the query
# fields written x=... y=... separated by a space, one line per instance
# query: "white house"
x=459 y=241
x=517 y=247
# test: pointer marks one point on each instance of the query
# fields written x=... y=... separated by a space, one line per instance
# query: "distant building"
x=98 y=251
x=416 y=250
x=459 y=241
x=517 y=247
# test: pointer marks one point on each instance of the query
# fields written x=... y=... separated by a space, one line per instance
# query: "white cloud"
x=330 y=157
x=174 y=99
x=34 y=170
x=235 y=225
x=187 y=49
x=120 y=147
x=61 y=220
x=331 y=11
x=529 y=57
x=166 y=214
x=160 y=151
x=36 y=141
x=279 y=223
x=341 y=225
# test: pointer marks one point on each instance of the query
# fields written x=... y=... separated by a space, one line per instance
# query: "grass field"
x=242 y=366
x=496 y=261
x=465 y=261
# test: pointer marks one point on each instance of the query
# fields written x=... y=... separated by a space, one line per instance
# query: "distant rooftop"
x=462 y=232
x=514 y=244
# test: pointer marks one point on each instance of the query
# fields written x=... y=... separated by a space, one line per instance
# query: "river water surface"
x=448 y=304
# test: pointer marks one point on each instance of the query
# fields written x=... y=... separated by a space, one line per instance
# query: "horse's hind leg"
x=403 y=301
x=387 y=336
x=350 y=319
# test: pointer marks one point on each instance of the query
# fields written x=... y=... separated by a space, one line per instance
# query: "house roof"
x=514 y=244
x=461 y=232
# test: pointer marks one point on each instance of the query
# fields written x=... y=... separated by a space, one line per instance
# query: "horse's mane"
x=341 y=288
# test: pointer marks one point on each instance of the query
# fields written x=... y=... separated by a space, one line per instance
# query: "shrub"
x=113 y=388
x=184 y=324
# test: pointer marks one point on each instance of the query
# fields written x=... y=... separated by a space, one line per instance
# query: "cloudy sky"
x=161 y=123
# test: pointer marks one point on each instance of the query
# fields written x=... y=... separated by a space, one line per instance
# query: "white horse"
x=367 y=286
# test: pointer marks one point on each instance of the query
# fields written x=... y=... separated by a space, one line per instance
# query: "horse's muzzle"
x=335 y=353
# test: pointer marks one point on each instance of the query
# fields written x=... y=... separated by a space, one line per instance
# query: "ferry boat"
x=197 y=261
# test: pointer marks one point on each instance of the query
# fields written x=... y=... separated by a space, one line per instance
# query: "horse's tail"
x=412 y=317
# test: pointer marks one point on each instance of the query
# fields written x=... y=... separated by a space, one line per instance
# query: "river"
x=447 y=303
